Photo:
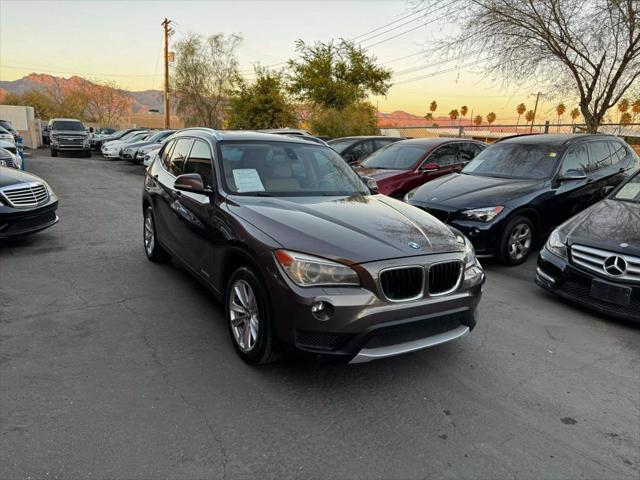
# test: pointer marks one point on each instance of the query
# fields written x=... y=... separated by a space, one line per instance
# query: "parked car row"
x=307 y=255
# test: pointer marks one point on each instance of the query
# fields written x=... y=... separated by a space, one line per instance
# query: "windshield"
x=282 y=169
x=630 y=191
x=397 y=156
x=341 y=145
x=130 y=135
x=512 y=160
x=138 y=136
x=67 y=125
x=156 y=137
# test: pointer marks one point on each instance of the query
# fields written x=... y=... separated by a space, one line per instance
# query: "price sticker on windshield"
x=247 y=180
x=553 y=154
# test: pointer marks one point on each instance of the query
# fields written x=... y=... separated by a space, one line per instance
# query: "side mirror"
x=429 y=168
x=191 y=182
x=606 y=190
x=573 y=174
x=371 y=183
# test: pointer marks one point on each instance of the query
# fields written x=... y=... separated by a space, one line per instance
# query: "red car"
x=405 y=165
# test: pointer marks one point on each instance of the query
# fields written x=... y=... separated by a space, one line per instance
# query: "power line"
x=439 y=72
x=414 y=28
x=390 y=23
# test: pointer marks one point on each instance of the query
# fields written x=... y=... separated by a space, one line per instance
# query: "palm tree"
x=575 y=113
x=453 y=115
x=477 y=121
x=491 y=117
x=625 y=118
x=433 y=106
x=560 y=110
x=520 y=109
x=463 y=111
x=429 y=117
x=623 y=106
x=635 y=108
x=530 y=117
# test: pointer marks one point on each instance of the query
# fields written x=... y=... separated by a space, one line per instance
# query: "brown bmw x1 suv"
x=303 y=252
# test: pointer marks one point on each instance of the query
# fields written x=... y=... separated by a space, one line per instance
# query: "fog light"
x=322 y=311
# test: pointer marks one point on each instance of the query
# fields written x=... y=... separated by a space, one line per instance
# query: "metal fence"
x=495 y=132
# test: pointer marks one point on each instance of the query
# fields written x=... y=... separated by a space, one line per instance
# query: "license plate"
x=608 y=292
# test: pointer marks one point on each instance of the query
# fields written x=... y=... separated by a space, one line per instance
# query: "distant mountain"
x=142 y=101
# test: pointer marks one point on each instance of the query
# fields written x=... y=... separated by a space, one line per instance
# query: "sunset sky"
x=122 y=41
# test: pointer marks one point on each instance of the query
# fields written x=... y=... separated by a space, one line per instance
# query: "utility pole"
x=535 y=110
x=167 y=31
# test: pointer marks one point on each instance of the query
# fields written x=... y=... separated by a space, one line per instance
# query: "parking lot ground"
x=114 y=367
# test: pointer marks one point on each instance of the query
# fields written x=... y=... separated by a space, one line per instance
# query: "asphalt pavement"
x=114 y=367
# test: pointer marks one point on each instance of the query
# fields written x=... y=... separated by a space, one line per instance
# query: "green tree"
x=433 y=106
x=336 y=75
x=491 y=117
x=429 y=117
x=560 y=110
x=520 y=110
x=477 y=120
x=357 y=119
x=205 y=76
x=262 y=104
x=463 y=111
x=575 y=113
x=453 y=115
x=41 y=103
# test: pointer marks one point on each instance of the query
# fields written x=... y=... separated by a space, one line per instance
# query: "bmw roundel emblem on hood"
x=414 y=245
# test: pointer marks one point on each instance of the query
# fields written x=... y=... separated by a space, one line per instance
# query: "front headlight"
x=482 y=214
x=469 y=251
x=555 y=244
x=309 y=271
x=410 y=195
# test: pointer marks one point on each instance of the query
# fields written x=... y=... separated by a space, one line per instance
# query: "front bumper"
x=560 y=277
x=14 y=221
x=363 y=326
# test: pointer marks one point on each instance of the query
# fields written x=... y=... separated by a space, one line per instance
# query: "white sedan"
x=112 y=149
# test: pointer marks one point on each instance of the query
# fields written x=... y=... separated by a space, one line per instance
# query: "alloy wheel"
x=149 y=234
x=520 y=241
x=244 y=315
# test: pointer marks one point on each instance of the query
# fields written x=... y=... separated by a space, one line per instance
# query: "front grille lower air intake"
x=402 y=283
x=444 y=277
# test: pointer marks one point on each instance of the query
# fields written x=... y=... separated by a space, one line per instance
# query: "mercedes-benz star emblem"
x=414 y=245
x=615 y=265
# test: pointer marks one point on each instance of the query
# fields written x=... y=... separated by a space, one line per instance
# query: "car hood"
x=608 y=224
x=11 y=176
x=351 y=230
x=380 y=173
x=114 y=144
x=469 y=191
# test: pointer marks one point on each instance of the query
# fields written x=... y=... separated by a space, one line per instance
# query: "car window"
x=166 y=153
x=468 y=151
x=179 y=155
x=286 y=169
x=200 y=160
x=576 y=161
x=515 y=160
x=600 y=156
x=359 y=151
x=383 y=142
x=618 y=152
x=444 y=156
x=397 y=156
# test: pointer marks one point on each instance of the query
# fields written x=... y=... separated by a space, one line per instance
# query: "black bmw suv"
x=519 y=189
x=302 y=252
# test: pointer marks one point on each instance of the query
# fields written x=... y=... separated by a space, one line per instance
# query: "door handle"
x=178 y=193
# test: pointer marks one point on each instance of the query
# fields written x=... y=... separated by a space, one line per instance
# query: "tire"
x=54 y=152
x=152 y=248
x=245 y=297
x=516 y=241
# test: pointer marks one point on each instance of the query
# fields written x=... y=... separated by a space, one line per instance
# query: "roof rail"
x=204 y=129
